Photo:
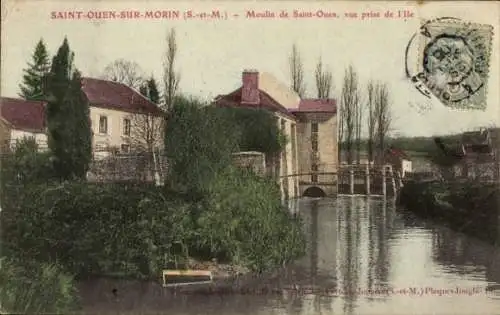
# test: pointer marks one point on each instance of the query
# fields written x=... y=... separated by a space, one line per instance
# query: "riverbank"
x=468 y=207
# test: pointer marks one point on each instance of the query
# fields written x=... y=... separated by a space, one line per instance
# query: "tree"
x=126 y=72
x=199 y=145
x=146 y=127
x=358 y=127
x=371 y=120
x=171 y=78
x=323 y=81
x=383 y=118
x=150 y=90
x=68 y=118
x=350 y=99
x=33 y=87
x=145 y=132
x=297 y=72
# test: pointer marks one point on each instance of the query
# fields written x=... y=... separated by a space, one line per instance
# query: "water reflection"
x=356 y=248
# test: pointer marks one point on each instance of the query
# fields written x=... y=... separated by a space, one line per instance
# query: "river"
x=364 y=256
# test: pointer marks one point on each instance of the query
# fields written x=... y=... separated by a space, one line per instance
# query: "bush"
x=244 y=222
x=25 y=165
x=199 y=141
x=259 y=130
x=96 y=229
x=135 y=231
x=35 y=288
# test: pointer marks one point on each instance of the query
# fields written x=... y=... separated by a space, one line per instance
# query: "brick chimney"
x=250 y=90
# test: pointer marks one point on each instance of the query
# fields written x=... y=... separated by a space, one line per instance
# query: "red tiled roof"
x=29 y=115
x=315 y=106
x=114 y=95
x=267 y=102
x=23 y=114
x=233 y=99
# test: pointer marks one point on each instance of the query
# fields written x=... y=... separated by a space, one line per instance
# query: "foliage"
x=33 y=87
x=464 y=205
x=198 y=144
x=259 y=130
x=68 y=118
x=150 y=90
x=96 y=229
x=35 y=288
x=26 y=165
x=244 y=222
x=136 y=230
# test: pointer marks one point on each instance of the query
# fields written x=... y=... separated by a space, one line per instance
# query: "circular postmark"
x=453 y=61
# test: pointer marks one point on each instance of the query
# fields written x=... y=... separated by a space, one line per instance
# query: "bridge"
x=356 y=179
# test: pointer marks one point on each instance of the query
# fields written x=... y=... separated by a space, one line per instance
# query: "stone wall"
x=251 y=160
x=126 y=167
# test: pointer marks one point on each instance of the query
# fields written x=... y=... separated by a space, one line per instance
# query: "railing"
x=356 y=179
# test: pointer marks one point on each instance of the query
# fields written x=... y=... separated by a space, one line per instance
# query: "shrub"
x=26 y=165
x=259 y=130
x=199 y=141
x=124 y=230
x=244 y=222
x=35 y=288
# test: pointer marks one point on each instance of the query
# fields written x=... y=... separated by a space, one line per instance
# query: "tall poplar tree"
x=33 y=86
x=68 y=118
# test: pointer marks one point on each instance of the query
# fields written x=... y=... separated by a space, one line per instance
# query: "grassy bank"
x=469 y=207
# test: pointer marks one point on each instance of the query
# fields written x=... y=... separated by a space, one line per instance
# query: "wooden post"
x=384 y=182
x=351 y=181
x=367 y=179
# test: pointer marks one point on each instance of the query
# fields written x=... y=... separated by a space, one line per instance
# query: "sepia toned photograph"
x=249 y=157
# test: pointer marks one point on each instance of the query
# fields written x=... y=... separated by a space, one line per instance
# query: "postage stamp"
x=454 y=60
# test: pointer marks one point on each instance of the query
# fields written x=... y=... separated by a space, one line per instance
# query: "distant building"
x=116 y=111
x=21 y=119
x=400 y=161
x=481 y=149
x=309 y=124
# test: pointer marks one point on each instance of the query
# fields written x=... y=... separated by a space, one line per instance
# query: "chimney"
x=250 y=90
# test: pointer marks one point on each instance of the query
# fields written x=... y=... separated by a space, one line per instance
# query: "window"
x=125 y=148
x=314 y=143
x=314 y=171
x=314 y=137
x=103 y=124
x=314 y=127
x=126 y=127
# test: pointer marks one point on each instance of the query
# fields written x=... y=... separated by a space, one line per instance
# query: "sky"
x=213 y=53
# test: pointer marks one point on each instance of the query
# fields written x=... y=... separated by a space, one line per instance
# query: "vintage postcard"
x=250 y=157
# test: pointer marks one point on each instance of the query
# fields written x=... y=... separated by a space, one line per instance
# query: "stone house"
x=310 y=126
